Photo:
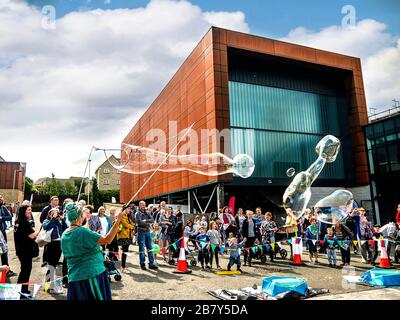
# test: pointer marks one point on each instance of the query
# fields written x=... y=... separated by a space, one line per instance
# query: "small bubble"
x=290 y=172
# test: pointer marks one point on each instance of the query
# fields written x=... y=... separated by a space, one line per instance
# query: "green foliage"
x=59 y=188
x=29 y=188
x=101 y=196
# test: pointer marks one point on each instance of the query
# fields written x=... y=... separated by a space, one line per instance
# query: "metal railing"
x=384 y=114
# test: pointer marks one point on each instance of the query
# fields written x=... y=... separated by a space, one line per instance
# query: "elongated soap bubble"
x=140 y=160
x=335 y=207
x=298 y=193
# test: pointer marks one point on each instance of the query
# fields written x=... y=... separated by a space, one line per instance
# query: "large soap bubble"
x=335 y=207
x=140 y=160
x=298 y=193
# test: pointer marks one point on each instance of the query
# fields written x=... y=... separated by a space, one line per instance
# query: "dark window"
x=394 y=157
x=381 y=160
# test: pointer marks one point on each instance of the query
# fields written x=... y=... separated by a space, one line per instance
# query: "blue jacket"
x=331 y=245
x=5 y=216
x=57 y=226
x=45 y=212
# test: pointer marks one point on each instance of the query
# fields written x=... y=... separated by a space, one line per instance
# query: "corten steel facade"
x=200 y=91
x=12 y=181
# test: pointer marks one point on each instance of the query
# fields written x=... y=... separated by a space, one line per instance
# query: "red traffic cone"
x=182 y=265
x=385 y=262
x=3 y=276
x=297 y=251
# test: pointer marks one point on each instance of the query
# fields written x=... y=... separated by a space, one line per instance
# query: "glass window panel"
x=278 y=151
x=379 y=133
x=369 y=132
x=262 y=107
x=371 y=161
x=381 y=160
x=394 y=157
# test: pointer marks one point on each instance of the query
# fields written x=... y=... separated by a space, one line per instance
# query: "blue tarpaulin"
x=381 y=277
x=275 y=285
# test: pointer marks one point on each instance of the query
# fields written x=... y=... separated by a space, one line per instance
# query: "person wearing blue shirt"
x=5 y=216
x=331 y=243
x=57 y=224
x=203 y=244
x=234 y=253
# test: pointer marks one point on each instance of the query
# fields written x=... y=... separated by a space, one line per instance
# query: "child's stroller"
x=191 y=257
x=111 y=268
x=277 y=249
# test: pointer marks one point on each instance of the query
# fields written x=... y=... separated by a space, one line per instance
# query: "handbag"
x=35 y=250
x=44 y=237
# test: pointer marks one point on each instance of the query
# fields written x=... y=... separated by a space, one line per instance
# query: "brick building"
x=108 y=178
x=12 y=181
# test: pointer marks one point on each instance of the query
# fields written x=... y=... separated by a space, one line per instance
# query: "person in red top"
x=398 y=214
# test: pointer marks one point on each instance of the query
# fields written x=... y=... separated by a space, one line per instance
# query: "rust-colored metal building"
x=277 y=99
x=12 y=181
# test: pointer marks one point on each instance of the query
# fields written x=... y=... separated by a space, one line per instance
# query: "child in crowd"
x=331 y=243
x=204 y=222
x=312 y=234
x=155 y=235
x=234 y=253
x=203 y=244
x=215 y=242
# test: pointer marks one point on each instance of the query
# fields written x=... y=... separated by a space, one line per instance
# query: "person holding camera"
x=55 y=222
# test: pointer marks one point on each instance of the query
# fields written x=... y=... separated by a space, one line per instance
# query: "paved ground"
x=164 y=284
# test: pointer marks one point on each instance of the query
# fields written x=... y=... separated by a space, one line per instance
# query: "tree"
x=100 y=196
x=29 y=188
x=77 y=183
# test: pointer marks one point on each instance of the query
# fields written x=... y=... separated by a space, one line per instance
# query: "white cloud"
x=378 y=50
x=88 y=81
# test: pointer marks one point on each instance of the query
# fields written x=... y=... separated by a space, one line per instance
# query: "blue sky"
x=273 y=18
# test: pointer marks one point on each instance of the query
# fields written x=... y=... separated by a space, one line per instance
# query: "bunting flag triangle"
x=267 y=247
x=330 y=242
x=321 y=243
x=36 y=288
x=372 y=243
x=174 y=245
x=46 y=286
x=290 y=241
x=222 y=249
x=162 y=250
x=355 y=242
x=260 y=246
x=362 y=242
x=273 y=246
x=314 y=242
x=203 y=244
x=213 y=246
x=254 y=249
x=248 y=250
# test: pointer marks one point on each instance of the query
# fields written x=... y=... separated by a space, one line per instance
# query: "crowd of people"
x=82 y=237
